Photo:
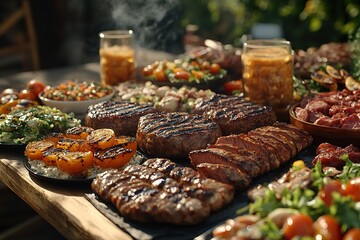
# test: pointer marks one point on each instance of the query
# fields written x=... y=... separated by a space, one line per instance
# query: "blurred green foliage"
x=306 y=24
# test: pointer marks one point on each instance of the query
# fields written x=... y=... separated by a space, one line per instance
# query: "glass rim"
x=116 y=34
x=266 y=43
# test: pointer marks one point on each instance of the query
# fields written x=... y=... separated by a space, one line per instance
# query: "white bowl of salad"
x=75 y=97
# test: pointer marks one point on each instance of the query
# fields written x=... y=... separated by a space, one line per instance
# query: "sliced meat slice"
x=288 y=137
x=284 y=153
x=245 y=142
x=306 y=138
x=220 y=156
x=225 y=174
x=262 y=161
x=283 y=140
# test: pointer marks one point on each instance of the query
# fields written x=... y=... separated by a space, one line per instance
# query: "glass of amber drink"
x=268 y=74
x=117 y=57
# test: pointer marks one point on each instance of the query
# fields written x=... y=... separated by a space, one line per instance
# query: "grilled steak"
x=122 y=117
x=235 y=114
x=174 y=135
x=257 y=152
x=161 y=191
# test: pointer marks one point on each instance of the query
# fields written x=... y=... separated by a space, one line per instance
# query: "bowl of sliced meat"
x=332 y=117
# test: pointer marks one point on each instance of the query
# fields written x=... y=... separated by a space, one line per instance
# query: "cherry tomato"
x=298 y=225
x=215 y=68
x=35 y=87
x=352 y=234
x=198 y=74
x=26 y=94
x=75 y=162
x=148 y=70
x=231 y=86
x=182 y=75
x=325 y=194
x=326 y=227
x=159 y=74
x=352 y=189
x=205 y=65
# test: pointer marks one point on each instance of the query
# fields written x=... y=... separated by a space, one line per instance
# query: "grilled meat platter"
x=203 y=152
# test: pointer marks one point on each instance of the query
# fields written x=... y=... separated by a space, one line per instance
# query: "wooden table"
x=63 y=206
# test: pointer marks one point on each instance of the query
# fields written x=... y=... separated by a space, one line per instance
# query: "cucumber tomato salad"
x=329 y=208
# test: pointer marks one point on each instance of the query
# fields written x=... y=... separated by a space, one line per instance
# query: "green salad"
x=24 y=125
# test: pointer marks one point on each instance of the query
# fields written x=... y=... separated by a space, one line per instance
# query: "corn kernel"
x=299 y=164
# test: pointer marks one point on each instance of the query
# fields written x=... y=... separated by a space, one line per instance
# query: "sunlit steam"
x=152 y=21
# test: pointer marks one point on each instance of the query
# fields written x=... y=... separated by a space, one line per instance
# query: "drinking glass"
x=117 y=56
x=268 y=74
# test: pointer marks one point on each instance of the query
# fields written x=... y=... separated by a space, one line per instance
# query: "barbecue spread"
x=236 y=159
x=174 y=135
x=159 y=190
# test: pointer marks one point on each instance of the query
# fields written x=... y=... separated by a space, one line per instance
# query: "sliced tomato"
x=114 y=157
x=34 y=150
x=327 y=228
x=75 y=162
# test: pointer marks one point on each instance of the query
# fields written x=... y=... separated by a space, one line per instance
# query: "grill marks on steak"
x=252 y=154
x=235 y=114
x=122 y=117
x=174 y=135
x=161 y=191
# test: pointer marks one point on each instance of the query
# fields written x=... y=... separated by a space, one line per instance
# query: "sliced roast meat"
x=246 y=142
x=219 y=156
x=224 y=173
x=283 y=151
x=255 y=156
x=174 y=135
x=257 y=152
x=289 y=137
x=304 y=138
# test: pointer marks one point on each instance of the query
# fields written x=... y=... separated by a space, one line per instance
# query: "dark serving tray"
x=202 y=231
